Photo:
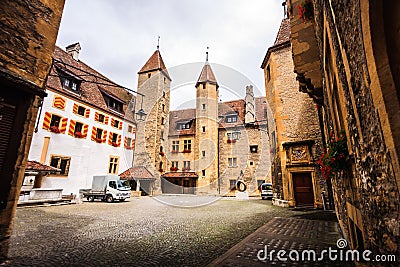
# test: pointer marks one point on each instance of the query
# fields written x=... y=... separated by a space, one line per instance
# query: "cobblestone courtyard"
x=139 y=232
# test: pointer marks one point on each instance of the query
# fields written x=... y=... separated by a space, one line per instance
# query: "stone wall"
x=366 y=194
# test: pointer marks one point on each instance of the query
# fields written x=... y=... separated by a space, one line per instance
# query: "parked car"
x=266 y=191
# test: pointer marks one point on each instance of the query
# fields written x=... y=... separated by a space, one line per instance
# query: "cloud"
x=117 y=37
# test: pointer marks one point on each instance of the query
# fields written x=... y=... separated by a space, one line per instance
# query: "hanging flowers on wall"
x=306 y=10
x=333 y=159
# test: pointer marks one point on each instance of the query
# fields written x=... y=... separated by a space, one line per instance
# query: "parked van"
x=266 y=191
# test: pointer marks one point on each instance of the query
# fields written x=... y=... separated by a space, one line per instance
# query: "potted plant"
x=114 y=144
x=160 y=170
x=174 y=169
x=174 y=151
x=54 y=129
x=98 y=140
x=333 y=159
x=231 y=141
x=161 y=153
x=186 y=151
x=306 y=10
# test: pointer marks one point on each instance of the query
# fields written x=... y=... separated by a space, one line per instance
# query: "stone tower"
x=250 y=106
x=151 y=134
x=206 y=142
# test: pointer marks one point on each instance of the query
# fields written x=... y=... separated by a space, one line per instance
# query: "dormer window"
x=113 y=103
x=231 y=118
x=69 y=81
x=183 y=125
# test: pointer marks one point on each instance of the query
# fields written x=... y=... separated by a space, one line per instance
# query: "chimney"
x=250 y=106
x=73 y=50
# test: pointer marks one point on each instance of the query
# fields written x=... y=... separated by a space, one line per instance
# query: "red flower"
x=78 y=134
x=54 y=129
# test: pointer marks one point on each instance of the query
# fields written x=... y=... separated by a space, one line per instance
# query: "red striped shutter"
x=59 y=102
x=96 y=116
x=104 y=136
x=71 y=128
x=110 y=135
x=87 y=112
x=63 y=126
x=119 y=140
x=106 y=120
x=47 y=120
x=126 y=142
x=133 y=129
x=112 y=122
x=85 y=130
x=120 y=125
x=94 y=132
x=75 y=108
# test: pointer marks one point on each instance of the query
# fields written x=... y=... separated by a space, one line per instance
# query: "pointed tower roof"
x=207 y=75
x=155 y=62
x=282 y=40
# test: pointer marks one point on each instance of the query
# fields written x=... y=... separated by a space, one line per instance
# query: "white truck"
x=107 y=188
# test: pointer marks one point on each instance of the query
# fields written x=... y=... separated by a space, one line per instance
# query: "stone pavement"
x=289 y=234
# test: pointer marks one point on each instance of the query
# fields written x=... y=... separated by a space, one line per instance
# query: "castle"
x=201 y=150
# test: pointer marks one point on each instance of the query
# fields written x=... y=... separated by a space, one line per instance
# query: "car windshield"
x=123 y=184
x=266 y=187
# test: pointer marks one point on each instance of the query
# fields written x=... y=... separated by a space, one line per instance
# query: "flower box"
x=114 y=144
x=54 y=129
x=174 y=151
x=186 y=151
x=161 y=153
x=333 y=160
x=174 y=169
x=78 y=134
x=98 y=140
x=185 y=169
x=160 y=170
x=306 y=10
x=231 y=141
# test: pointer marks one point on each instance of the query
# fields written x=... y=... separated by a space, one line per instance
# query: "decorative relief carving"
x=299 y=153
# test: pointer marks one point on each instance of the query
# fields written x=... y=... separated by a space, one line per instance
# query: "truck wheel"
x=109 y=198
x=90 y=198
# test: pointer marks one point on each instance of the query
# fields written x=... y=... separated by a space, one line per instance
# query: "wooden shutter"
x=47 y=120
x=110 y=135
x=87 y=112
x=104 y=136
x=96 y=116
x=119 y=140
x=126 y=142
x=112 y=122
x=106 y=119
x=94 y=132
x=133 y=144
x=75 y=108
x=63 y=126
x=59 y=102
x=71 y=129
x=120 y=125
x=85 y=130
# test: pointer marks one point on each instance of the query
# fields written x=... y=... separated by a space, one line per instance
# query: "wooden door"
x=303 y=188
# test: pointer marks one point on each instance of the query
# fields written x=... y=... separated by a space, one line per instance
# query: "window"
x=113 y=165
x=203 y=153
x=187 y=145
x=61 y=163
x=231 y=118
x=149 y=75
x=114 y=138
x=162 y=135
x=163 y=106
x=232 y=162
x=174 y=164
x=203 y=106
x=233 y=135
x=175 y=146
x=55 y=120
x=268 y=74
x=130 y=129
x=99 y=133
x=203 y=172
x=78 y=127
x=112 y=184
x=232 y=184
x=183 y=126
x=113 y=103
x=101 y=118
x=186 y=165
x=204 y=129
x=251 y=163
x=128 y=142
x=81 y=111
x=204 y=86
x=70 y=84
x=116 y=123
x=253 y=149
x=162 y=121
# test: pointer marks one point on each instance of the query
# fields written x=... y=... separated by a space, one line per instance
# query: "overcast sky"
x=118 y=37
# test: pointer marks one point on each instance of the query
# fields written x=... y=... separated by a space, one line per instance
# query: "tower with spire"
x=206 y=141
x=151 y=134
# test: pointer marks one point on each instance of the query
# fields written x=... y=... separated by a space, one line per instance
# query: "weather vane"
x=207 y=54
x=158 y=43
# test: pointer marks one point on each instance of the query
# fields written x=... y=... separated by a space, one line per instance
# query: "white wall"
x=88 y=158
